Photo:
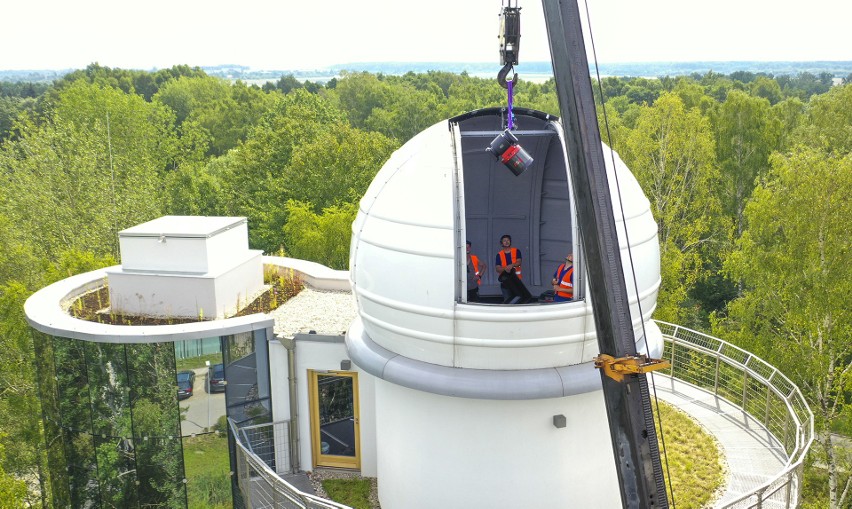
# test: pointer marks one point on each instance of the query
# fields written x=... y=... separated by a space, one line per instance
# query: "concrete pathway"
x=753 y=455
x=300 y=481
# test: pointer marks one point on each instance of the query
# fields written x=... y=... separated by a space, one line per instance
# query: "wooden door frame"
x=327 y=460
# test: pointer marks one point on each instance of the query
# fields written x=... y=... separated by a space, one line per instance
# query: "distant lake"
x=539 y=72
x=536 y=72
x=325 y=78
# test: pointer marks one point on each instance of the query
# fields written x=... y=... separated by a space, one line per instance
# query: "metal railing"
x=764 y=393
x=270 y=442
x=705 y=362
x=259 y=464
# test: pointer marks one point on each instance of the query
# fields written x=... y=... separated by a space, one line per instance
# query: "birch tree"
x=671 y=152
x=795 y=260
x=745 y=135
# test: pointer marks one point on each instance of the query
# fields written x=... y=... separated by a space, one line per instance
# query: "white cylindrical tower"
x=487 y=404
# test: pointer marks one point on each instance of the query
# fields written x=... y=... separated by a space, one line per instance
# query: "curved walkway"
x=753 y=455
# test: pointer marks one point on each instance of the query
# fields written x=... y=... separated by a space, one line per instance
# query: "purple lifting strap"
x=511 y=115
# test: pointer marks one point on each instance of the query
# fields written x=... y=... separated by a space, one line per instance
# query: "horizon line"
x=343 y=66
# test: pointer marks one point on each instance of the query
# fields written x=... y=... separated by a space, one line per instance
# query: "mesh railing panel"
x=785 y=386
x=778 y=494
x=283 y=458
x=761 y=369
x=270 y=442
x=758 y=388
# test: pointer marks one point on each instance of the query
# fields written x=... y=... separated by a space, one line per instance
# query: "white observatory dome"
x=453 y=377
x=408 y=261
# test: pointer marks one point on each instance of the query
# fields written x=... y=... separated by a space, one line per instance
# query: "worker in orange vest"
x=508 y=260
x=475 y=269
x=563 y=280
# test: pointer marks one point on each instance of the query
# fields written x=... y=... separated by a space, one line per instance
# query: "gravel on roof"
x=326 y=312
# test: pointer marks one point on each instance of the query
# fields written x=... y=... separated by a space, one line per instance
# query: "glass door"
x=335 y=433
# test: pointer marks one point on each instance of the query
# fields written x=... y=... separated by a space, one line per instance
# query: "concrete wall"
x=186 y=295
x=456 y=453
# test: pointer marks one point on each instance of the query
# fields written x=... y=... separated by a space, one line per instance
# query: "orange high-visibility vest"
x=475 y=260
x=513 y=253
x=566 y=287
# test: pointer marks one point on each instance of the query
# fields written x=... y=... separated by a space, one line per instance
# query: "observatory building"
x=478 y=393
x=387 y=369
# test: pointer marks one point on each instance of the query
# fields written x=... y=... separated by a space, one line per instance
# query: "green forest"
x=749 y=177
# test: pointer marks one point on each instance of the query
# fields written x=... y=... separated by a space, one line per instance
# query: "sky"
x=314 y=34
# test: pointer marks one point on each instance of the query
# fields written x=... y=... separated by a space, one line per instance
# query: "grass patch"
x=206 y=453
x=198 y=362
x=352 y=492
x=693 y=460
x=207 y=467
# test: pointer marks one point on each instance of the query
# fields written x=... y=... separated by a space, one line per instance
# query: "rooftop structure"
x=185 y=266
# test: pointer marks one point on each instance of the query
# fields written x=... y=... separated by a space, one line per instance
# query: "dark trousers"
x=508 y=296
x=473 y=295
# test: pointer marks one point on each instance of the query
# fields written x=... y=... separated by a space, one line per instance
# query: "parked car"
x=185 y=382
x=216 y=378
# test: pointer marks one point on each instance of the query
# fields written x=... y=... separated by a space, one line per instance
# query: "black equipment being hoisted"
x=506 y=147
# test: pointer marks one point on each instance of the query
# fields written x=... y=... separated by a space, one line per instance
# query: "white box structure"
x=185 y=266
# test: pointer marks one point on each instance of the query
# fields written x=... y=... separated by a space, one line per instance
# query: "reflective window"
x=247 y=390
x=144 y=425
x=200 y=390
x=53 y=435
x=75 y=419
x=156 y=425
x=109 y=399
x=199 y=386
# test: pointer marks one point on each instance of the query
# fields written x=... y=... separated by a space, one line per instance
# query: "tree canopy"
x=748 y=177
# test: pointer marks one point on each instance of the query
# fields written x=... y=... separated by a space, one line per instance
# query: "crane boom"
x=628 y=403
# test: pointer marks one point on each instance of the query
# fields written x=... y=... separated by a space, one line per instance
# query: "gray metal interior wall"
x=534 y=208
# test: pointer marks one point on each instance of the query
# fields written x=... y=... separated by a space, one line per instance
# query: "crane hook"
x=501 y=76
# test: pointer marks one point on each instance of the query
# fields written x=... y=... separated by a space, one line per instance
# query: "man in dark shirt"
x=508 y=261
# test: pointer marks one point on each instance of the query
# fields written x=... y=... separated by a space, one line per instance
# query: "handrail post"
x=245 y=479
x=674 y=345
x=800 y=475
x=768 y=403
x=789 y=489
x=718 y=368
x=787 y=432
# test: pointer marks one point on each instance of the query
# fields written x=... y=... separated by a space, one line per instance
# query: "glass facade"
x=140 y=425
